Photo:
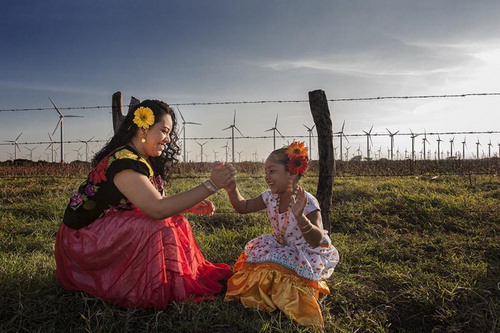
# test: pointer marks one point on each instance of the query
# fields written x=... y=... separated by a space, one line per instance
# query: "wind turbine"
x=16 y=145
x=424 y=140
x=239 y=156
x=201 y=146
x=439 y=145
x=227 y=147
x=347 y=153
x=489 y=149
x=87 y=148
x=60 y=124
x=392 y=142
x=413 y=136
x=255 y=156
x=309 y=130
x=477 y=148
x=78 y=154
x=368 y=140
x=215 y=154
x=31 y=152
x=183 y=130
x=275 y=129
x=342 y=134
x=51 y=146
x=451 y=147
x=233 y=127
x=463 y=148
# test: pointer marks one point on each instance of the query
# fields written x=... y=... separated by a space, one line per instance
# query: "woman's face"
x=277 y=177
x=158 y=136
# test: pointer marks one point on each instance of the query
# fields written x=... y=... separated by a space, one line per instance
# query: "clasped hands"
x=222 y=175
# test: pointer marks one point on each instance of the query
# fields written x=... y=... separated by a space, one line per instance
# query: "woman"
x=121 y=239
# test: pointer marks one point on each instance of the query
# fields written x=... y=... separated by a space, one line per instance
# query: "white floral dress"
x=295 y=253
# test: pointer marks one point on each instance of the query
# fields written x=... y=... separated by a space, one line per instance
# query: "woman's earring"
x=143 y=140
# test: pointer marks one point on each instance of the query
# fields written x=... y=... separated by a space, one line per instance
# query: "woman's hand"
x=299 y=202
x=223 y=174
x=204 y=207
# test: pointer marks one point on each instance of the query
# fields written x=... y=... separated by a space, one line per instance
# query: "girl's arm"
x=309 y=224
x=242 y=205
x=139 y=190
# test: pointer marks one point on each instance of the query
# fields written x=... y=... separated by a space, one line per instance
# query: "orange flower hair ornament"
x=297 y=158
x=144 y=117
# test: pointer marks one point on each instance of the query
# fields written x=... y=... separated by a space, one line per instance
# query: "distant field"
x=417 y=254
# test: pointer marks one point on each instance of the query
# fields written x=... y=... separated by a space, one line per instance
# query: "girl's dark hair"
x=162 y=165
x=280 y=156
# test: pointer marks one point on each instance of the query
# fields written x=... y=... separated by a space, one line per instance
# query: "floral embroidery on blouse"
x=98 y=175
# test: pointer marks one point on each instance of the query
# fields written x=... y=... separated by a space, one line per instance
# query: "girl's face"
x=277 y=177
x=158 y=136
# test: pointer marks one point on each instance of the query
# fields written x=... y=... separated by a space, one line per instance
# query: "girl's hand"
x=299 y=202
x=205 y=207
x=223 y=174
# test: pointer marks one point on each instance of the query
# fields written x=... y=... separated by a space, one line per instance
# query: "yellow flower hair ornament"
x=144 y=117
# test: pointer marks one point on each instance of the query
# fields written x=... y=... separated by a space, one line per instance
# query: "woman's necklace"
x=280 y=235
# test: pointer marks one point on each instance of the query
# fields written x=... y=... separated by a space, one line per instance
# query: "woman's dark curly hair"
x=162 y=165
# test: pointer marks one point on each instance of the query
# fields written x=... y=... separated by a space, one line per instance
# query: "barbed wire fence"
x=349 y=167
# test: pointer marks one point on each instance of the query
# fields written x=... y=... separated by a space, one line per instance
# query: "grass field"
x=417 y=255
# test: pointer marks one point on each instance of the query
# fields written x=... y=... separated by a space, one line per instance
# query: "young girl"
x=284 y=270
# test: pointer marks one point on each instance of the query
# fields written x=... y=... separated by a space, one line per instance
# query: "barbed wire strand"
x=270 y=101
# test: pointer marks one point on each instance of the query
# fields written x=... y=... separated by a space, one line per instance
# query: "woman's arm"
x=139 y=190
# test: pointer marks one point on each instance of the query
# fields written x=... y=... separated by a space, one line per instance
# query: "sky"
x=79 y=53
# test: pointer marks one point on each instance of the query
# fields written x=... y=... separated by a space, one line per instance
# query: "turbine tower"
x=451 y=147
x=183 y=130
x=413 y=136
x=87 y=147
x=309 y=130
x=342 y=134
x=275 y=129
x=60 y=124
x=439 y=145
x=233 y=127
x=477 y=148
x=368 y=140
x=424 y=140
x=392 y=142
x=201 y=146
x=463 y=148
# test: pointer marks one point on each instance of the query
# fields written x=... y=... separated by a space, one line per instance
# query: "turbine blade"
x=191 y=123
x=181 y=114
x=19 y=136
x=226 y=128
x=55 y=129
x=239 y=131
x=277 y=130
x=56 y=108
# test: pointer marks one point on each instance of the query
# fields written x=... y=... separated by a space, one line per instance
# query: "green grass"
x=417 y=255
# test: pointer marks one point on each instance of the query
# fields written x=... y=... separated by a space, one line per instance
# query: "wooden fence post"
x=321 y=115
x=117 y=109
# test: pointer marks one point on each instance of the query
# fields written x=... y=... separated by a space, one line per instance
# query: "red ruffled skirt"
x=131 y=260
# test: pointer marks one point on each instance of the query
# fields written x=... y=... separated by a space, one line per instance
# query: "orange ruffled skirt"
x=128 y=259
x=269 y=286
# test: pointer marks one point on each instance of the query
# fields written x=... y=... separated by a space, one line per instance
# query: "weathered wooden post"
x=117 y=109
x=324 y=128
